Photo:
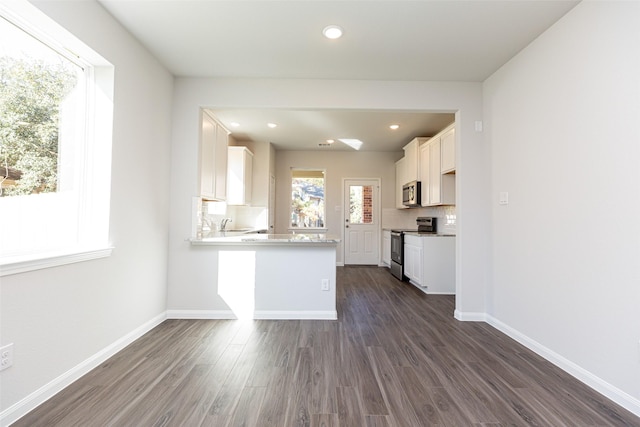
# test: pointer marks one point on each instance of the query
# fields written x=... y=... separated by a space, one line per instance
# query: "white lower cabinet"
x=429 y=263
x=386 y=247
x=413 y=258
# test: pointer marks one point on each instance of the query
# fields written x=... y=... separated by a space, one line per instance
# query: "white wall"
x=190 y=288
x=563 y=122
x=59 y=317
x=338 y=165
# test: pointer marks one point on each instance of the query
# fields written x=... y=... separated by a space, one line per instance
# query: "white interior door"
x=361 y=221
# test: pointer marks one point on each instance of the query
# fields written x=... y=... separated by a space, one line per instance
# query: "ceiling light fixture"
x=330 y=141
x=332 y=32
x=394 y=127
x=272 y=125
x=235 y=124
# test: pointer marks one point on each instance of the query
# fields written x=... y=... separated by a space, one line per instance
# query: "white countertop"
x=261 y=239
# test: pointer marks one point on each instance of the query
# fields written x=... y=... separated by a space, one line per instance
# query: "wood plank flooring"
x=395 y=357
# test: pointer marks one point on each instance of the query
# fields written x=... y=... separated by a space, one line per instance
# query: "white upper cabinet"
x=424 y=174
x=435 y=178
x=213 y=159
x=239 y=176
x=400 y=181
x=448 y=151
x=412 y=160
x=437 y=169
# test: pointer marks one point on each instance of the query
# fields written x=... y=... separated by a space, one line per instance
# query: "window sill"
x=23 y=264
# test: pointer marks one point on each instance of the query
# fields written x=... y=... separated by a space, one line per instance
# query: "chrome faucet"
x=223 y=223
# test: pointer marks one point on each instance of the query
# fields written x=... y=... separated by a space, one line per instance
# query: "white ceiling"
x=419 y=40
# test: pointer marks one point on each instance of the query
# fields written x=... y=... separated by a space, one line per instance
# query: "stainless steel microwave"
x=411 y=194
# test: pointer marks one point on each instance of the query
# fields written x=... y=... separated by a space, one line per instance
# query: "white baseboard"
x=46 y=392
x=469 y=316
x=260 y=314
x=613 y=393
x=201 y=314
x=293 y=315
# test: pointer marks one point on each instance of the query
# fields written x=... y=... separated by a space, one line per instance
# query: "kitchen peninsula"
x=274 y=276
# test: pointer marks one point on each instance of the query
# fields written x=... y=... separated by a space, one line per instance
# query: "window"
x=360 y=204
x=307 y=198
x=55 y=139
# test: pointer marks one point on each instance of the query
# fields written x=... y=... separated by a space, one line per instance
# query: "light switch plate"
x=504 y=198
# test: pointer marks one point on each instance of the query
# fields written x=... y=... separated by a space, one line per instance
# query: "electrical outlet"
x=6 y=356
x=325 y=285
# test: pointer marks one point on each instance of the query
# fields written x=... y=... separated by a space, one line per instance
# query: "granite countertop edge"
x=262 y=239
x=415 y=233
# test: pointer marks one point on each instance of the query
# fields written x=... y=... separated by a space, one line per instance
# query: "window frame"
x=94 y=175
x=298 y=229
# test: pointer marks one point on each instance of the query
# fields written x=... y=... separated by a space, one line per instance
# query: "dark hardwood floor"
x=395 y=357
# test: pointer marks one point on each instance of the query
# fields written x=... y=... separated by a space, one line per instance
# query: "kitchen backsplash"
x=254 y=217
x=406 y=218
x=207 y=217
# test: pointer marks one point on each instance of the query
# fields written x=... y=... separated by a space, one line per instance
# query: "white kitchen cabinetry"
x=448 y=151
x=213 y=159
x=386 y=248
x=424 y=174
x=412 y=160
x=413 y=258
x=400 y=181
x=435 y=176
x=441 y=186
x=429 y=263
x=239 y=176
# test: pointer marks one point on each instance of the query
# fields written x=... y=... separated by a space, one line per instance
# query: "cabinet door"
x=408 y=261
x=434 y=172
x=386 y=247
x=448 y=147
x=411 y=161
x=222 y=142
x=400 y=181
x=424 y=174
x=207 y=157
x=413 y=263
x=239 y=177
x=213 y=159
x=418 y=267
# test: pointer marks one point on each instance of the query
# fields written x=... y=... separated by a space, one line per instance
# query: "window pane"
x=40 y=92
x=360 y=204
x=307 y=199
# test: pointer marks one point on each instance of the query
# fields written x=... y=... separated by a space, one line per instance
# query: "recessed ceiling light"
x=330 y=141
x=272 y=125
x=394 y=127
x=235 y=124
x=332 y=32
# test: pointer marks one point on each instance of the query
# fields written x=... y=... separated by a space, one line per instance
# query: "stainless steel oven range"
x=426 y=225
x=397 y=253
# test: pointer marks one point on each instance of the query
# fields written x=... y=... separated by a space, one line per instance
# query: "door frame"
x=377 y=211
